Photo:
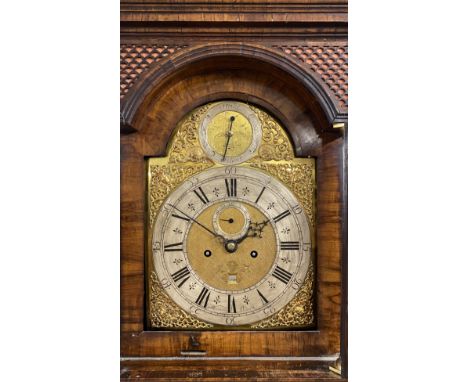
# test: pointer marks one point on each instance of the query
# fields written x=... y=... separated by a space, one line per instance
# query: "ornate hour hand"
x=229 y=135
x=254 y=230
x=200 y=224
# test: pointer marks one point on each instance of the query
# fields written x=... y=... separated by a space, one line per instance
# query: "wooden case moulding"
x=271 y=55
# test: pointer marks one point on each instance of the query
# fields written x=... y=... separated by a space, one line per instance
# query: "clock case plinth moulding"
x=185 y=158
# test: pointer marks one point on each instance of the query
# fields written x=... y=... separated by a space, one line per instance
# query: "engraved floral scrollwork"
x=164 y=178
x=185 y=146
x=299 y=177
x=275 y=143
x=164 y=313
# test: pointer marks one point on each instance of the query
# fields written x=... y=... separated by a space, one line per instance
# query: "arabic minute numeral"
x=297 y=209
x=230 y=170
x=296 y=284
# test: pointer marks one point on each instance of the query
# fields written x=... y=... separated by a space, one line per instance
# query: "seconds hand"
x=229 y=134
x=201 y=225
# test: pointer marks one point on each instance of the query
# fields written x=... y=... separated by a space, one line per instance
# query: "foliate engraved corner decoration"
x=298 y=312
x=330 y=62
x=165 y=313
x=275 y=143
x=299 y=177
x=136 y=59
x=164 y=178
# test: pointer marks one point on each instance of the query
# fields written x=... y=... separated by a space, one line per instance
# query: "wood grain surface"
x=227 y=370
x=231 y=55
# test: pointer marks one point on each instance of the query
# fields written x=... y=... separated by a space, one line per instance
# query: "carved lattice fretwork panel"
x=330 y=62
x=136 y=59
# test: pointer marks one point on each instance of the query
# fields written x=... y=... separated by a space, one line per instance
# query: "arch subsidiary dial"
x=231 y=245
x=230 y=132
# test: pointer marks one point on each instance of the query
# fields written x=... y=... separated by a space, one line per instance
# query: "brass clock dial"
x=231 y=245
x=230 y=132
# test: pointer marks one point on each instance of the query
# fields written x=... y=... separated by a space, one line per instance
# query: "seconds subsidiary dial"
x=232 y=246
x=230 y=132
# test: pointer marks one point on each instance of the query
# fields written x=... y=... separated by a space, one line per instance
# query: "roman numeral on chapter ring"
x=231 y=304
x=173 y=247
x=203 y=297
x=281 y=216
x=180 y=217
x=260 y=195
x=282 y=274
x=231 y=186
x=182 y=274
x=201 y=194
x=289 y=245
x=262 y=297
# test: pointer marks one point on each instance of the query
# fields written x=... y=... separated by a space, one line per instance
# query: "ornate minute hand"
x=200 y=224
x=229 y=134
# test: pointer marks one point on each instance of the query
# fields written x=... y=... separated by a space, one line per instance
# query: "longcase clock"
x=233 y=190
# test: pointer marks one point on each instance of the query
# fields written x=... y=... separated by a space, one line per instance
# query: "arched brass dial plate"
x=248 y=252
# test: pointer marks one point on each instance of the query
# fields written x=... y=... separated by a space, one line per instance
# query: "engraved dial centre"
x=231 y=266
